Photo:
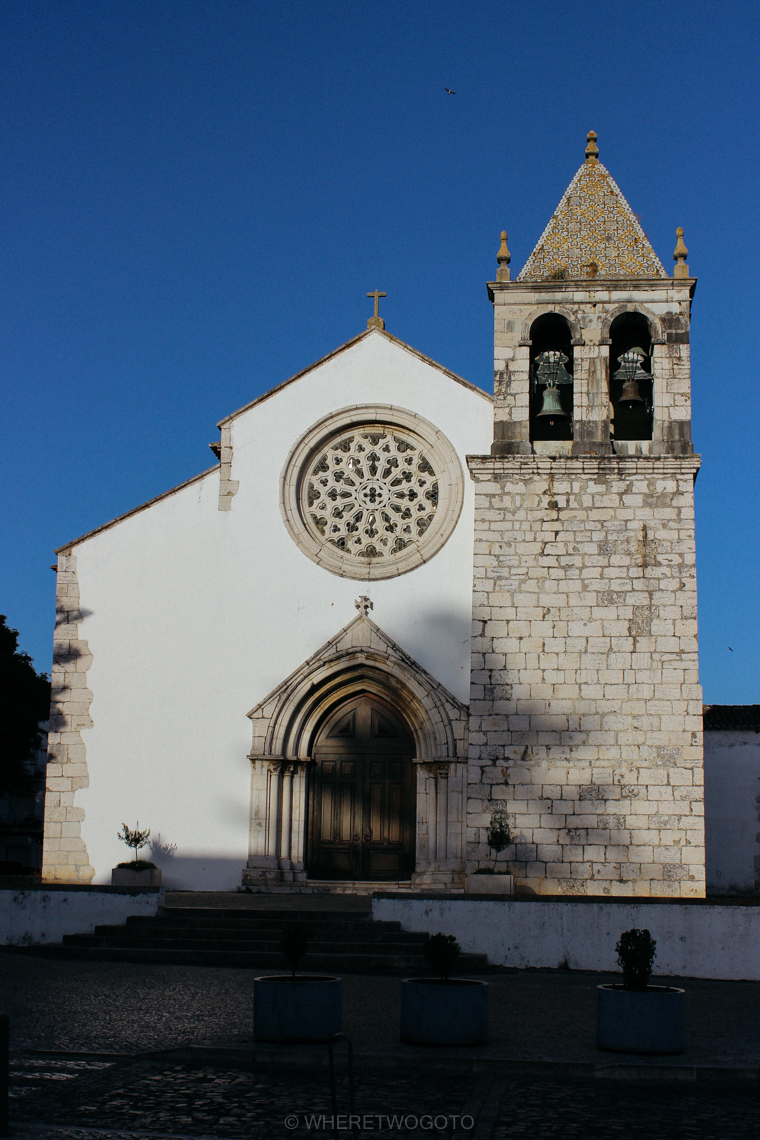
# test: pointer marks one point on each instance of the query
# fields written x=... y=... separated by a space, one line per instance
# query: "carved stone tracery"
x=372 y=492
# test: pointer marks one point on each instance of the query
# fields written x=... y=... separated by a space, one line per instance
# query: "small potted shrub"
x=137 y=872
x=296 y=1007
x=494 y=880
x=443 y=1010
x=632 y=1016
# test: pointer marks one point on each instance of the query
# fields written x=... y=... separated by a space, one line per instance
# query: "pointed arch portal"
x=358 y=770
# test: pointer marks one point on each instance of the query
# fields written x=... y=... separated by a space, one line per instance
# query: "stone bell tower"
x=586 y=709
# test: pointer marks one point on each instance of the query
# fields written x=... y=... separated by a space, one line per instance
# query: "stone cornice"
x=484 y=467
x=595 y=285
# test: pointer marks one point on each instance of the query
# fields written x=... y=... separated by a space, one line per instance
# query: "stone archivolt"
x=360 y=659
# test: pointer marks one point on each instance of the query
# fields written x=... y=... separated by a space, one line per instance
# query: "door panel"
x=336 y=814
x=361 y=809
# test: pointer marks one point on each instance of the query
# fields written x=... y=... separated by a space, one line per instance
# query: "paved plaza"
x=144 y=1050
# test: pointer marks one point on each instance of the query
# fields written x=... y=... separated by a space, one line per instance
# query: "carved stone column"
x=278 y=822
x=440 y=822
x=298 y=821
x=273 y=805
x=264 y=839
x=286 y=820
x=441 y=811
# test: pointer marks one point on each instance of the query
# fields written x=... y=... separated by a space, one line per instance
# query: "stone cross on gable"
x=377 y=321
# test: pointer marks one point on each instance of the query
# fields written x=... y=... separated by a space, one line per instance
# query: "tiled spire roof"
x=592 y=233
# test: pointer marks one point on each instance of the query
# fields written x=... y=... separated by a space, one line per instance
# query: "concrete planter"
x=490 y=884
x=435 y=1012
x=640 y=1021
x=308 y=1007
x=124 y=877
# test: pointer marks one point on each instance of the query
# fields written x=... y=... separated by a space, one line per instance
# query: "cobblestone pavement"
x=123 y=1008
x=93 y=1100
x=534 y=1014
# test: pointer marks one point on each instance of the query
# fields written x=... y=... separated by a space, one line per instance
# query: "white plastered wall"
x=732 y=807
x=193 y=615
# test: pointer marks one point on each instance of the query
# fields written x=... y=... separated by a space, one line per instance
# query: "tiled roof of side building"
x=731 y=718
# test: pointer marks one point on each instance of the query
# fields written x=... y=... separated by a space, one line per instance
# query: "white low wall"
x=38 y=915
x=693 y=940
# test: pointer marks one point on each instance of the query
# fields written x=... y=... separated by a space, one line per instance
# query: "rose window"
x=371 y=492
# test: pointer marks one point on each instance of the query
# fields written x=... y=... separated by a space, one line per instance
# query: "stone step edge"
x=428 y=1060
x=315 y=1056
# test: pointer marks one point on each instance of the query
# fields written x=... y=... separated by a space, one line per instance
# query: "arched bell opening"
x=631 y=383
x=551 y=378
x=361 y=811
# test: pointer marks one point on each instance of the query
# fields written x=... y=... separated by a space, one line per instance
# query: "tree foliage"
x=24 y=705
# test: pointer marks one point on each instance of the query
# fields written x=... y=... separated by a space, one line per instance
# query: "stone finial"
x=364 y=605
x=592 y=150
x=679 y=256
x=503 y=257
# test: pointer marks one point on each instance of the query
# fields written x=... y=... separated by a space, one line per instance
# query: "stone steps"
x=338 y=942
x=177 y=920
x=261 y=962
x=250 y=945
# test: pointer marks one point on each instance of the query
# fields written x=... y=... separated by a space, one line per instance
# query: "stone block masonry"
x=64 y=855
x=586 y=709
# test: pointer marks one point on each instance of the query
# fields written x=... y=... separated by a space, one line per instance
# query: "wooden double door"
x=361 y=796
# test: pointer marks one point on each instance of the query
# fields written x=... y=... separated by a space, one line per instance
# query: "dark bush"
x=294 y=943
x=442 y=952
x=635 y=953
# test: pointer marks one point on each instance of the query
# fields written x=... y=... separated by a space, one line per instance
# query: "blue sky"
x=196 y=198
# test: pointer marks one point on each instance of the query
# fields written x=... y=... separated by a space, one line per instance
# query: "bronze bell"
x=552 y=405
x=630 y=394
x=630 y=372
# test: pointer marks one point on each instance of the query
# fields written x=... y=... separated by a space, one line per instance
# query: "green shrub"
x=134 y=838
x=498 y=835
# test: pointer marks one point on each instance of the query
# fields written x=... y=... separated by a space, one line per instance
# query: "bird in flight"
x=449 y=91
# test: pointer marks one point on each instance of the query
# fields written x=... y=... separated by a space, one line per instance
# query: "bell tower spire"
x=586 y=697
x=592 y=289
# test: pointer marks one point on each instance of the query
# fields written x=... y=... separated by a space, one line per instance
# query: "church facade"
x=399 y=610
